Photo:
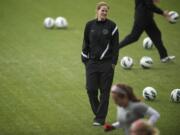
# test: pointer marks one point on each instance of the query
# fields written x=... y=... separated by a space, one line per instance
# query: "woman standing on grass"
x=129 y=109
x=99 y=55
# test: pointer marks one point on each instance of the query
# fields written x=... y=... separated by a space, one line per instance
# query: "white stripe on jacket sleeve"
x=84 y=55
x=115 y=29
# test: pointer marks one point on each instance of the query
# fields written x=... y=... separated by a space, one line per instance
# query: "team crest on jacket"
x=105 y=31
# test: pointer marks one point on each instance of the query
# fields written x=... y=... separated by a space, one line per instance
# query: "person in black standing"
x=100 y=55
x=144 y=10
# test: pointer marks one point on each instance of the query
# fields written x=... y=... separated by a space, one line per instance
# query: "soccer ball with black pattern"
x=147 y=43
x=175 y=95
x=48 y=22
x=174 y=16
x=146 y=62
x=61 y=22
x=126 y=62
x=149 y=93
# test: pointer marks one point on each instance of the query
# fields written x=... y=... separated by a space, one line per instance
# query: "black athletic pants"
x=152 y=31
x=99 y=77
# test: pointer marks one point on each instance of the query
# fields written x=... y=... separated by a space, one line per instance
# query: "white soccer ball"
x=48 y=22
x=175 y=95
x=61 y=22
x=126 y=62
x=174 y=16
x=147 y=43
x=149 y=93
x=146 y=62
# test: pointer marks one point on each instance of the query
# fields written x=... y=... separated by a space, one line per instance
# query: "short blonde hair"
x=144 y=126
x=100 y=4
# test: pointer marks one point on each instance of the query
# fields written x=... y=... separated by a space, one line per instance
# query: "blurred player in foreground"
x=142 y=127
x=129 y=109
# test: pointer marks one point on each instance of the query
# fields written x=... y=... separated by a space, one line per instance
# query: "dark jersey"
x=144 y=10
x=101 y=39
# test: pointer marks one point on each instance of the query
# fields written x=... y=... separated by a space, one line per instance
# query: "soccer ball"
x=147 y=43
x=174 y=16
x=61 y=22
x=127 y=62
x=146 y=62
x=49 y=22
x=175 y=95
x=149 y=93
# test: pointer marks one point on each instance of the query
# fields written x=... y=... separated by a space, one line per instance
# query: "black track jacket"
x=101 y=39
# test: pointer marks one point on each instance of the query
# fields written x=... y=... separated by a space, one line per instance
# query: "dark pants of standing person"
x=99 y=76
x=152 y=31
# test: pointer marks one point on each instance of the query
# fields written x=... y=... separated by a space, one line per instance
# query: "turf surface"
x=42 y=83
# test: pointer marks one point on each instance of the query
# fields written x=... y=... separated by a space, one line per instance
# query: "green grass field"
x=42 y=80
